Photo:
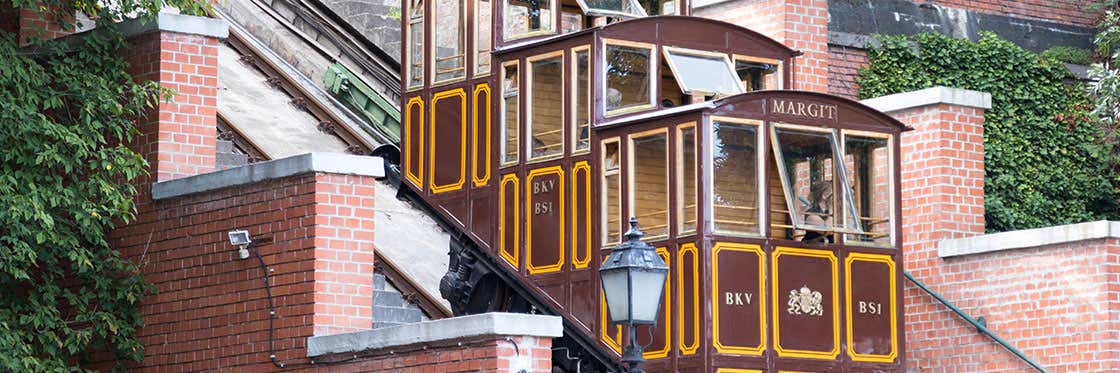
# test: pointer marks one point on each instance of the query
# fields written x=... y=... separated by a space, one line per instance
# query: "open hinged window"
x=703 y=73
x=806 y=159
x=870 y=165
x=612 y=8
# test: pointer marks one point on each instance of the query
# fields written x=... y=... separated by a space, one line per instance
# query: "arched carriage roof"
x=851 y=110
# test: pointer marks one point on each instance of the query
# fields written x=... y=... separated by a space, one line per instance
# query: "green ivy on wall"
x=1044 y=161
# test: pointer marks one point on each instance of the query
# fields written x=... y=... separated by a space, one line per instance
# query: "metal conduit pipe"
x=979 y=326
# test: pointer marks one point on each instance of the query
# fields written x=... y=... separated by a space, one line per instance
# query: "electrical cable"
x=271 y=308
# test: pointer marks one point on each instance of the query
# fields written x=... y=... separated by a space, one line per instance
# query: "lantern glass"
x=647 y=287
x=616 y=284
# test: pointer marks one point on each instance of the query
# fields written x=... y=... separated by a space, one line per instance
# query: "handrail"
x=979 y=326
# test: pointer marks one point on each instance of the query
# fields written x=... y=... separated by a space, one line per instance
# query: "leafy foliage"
x=1045 y=163
x=1105 y=87
x=65 y=181
x=1074 y=55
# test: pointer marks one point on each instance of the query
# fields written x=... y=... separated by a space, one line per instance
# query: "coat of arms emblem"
x=805 y=301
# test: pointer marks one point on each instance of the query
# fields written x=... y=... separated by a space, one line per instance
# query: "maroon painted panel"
x=449 y=131
x=482 y=219
x=581 y=216
x=544 y=222
x=688 y=303
x=871 y=308
x=805 y=302
x=414 y=141
x=509 y=223
x=480 y=138
x=737 y=299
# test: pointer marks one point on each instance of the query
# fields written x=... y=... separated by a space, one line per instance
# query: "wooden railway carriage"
x=777 y=211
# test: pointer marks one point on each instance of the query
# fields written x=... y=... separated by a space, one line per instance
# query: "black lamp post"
x=633 y=279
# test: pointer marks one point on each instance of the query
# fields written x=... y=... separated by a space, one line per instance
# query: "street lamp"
x=633 y=279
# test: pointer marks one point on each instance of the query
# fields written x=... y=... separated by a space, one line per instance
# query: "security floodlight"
x=240 y=238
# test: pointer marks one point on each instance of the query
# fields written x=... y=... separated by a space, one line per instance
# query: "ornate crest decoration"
x=805 y=302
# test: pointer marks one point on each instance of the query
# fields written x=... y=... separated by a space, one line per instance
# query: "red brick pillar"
x=942 y=194
x=181 y=53
x=35 y=25
x=799 y=24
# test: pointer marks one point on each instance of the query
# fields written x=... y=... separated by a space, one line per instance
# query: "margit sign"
x=803 y=109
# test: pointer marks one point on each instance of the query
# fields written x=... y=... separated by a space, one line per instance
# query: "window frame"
x=604 y=202
x=433 y=64
x=652 y=72
x=629 y=184
x=409 y=50
x=760 y=172
x=474 y=42
x=680 y=181
x=529 y=106
x=596 y=12
x=745 y=58
x=573 y=106
x=668 y=51
x=891 y=186
x=503 y=109
x=554 y=7
x=840 y=172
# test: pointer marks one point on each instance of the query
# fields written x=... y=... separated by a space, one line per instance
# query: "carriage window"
x=570 y=22
x=628 y=84
x=509 y=113
x=612 y=8
x=612 y=191
x=686 y=175
x=546 y=126
x=735 y=186
x=482 y=37
x=660 y=7
x=449 y=39
x=703 y=73
x=810 y=175
x=415 y=44
x=525 y=18
x=869 y=171
x=758 y=74
x=581 y=92
x=649 y=181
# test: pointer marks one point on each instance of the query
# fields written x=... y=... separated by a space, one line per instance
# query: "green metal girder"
x=383 y=115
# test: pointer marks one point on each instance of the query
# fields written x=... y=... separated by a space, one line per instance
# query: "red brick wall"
x=211 y=310
x=488 y=355
x=39 y=26
x=843 y=70
x=1056 y=304
x=1075 y=12
x=799 y=24
x=1053 y=303
x=178 y=139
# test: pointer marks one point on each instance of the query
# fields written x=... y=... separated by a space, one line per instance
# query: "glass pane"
x=527 y=17
x=570 y=22
x=509 y=113
x=612 y=192
x=686 y=166
x=416 y=44
x=449 y=39
x=628 y=80
x=650 y=183
x=483 y=38
x=611 y=8
x=808 y=162
x=758 y=76
x=869 y=172
x=582 y=91
x=546 y=123
x=735 y=193
x=704 y=74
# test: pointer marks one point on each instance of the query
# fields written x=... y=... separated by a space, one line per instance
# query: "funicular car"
x=536 y=129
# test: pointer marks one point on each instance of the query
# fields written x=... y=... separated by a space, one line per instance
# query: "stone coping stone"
x=1028 y=238
x=435 y=331
x=930 y=96
x=331 y=163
